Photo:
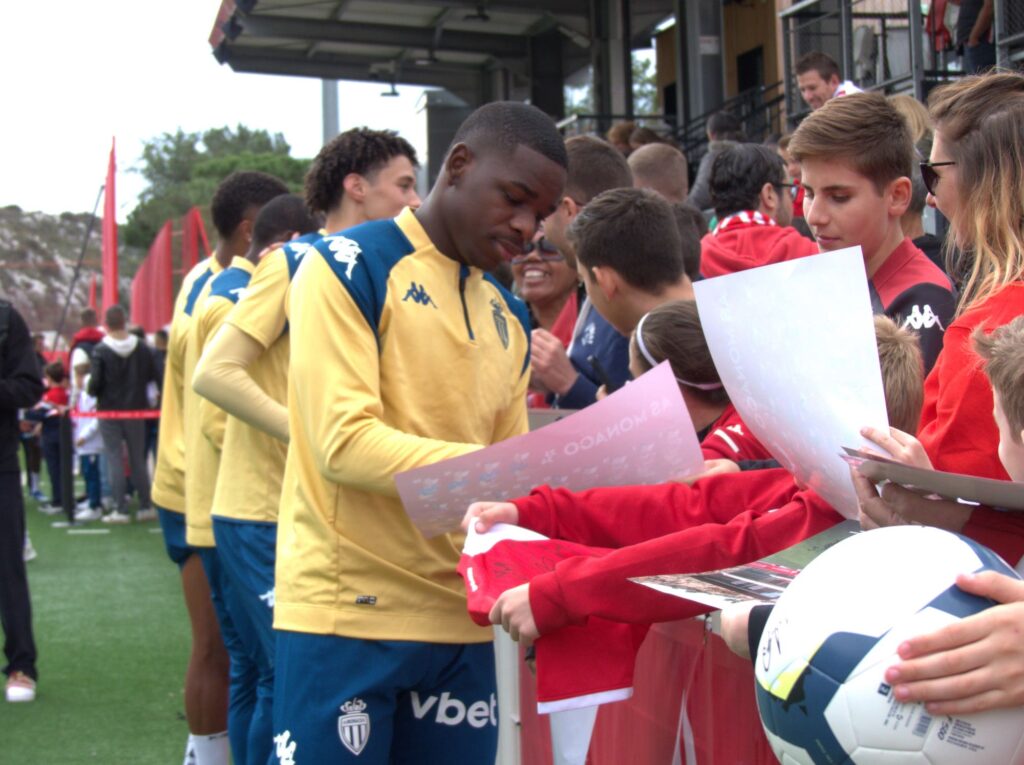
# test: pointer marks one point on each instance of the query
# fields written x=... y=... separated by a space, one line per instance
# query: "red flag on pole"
x=109 y=260
x=92 y=293
x=152 y=294
x=193 y=232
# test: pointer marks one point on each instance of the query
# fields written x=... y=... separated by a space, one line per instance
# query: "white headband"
x=650 y=359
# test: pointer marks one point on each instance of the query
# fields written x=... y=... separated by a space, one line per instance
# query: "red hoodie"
x=730 y=439
x=91 y=335
x=743 y=247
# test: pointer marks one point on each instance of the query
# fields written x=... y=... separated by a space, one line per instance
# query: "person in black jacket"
x=122 y=368
x=20 y=387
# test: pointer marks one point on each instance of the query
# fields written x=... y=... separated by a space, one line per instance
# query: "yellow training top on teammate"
x=169 y=476
x=400 y=357
x=204 y=422
x=252 y=462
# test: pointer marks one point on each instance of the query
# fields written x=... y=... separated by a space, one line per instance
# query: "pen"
x=602 y=374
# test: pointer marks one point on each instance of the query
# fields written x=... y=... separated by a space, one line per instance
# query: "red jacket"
x=957 y=429
x=743 y=247
x=730 y=439
x=720 y=521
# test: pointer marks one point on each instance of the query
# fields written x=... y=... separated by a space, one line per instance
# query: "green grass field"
x=113 y=639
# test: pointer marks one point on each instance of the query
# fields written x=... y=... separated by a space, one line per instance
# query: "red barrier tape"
x=115 y=414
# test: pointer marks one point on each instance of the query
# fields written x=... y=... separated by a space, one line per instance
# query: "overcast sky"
x=76 y=73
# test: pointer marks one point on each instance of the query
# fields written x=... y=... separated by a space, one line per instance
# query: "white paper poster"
x=641 y=434
x=794 y=344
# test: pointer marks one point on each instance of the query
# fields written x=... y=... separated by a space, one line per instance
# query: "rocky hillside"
x=38 y=253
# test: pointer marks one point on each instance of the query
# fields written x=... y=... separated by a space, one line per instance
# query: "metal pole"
x=626 y=27
x=916 y=52
x=998 y=21
x=67 y=481
x=329 y=101
x=845 y=37
x=682 y=107
x=78 y=269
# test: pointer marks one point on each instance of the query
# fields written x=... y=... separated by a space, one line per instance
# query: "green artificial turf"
x=113 y=640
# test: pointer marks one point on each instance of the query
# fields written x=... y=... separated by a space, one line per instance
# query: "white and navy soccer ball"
x=821 y=662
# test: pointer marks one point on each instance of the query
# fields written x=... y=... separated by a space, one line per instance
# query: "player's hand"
x=602 y=393
x=903 y=447
x=486 y=514
x=973 y=665
x=512 y=611
x=897 y=506
x=735 y=619
x=712 y=467
x=550 y=363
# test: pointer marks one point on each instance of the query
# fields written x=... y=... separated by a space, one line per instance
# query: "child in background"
x=48 y=411
x=88 y=444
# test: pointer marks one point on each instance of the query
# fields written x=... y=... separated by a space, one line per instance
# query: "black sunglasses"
x=794 y=188
x=544 y=250
x=929 y=176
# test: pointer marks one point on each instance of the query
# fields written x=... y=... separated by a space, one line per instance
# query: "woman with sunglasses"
x=975 y=177
x=552 y=291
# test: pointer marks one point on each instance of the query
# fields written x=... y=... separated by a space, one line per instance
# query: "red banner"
x=193 y=233
x=92 y=293
x=152 y=292
x=109 y=260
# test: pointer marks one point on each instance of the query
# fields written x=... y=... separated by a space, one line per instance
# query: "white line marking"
x=88 y=531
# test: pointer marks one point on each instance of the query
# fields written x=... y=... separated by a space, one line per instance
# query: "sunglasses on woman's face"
x=543 y=249
x=929 y=176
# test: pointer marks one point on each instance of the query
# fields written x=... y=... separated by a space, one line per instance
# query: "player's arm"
x=253 y=325
x=212 y=419
x=335 y=378
x=222 y=377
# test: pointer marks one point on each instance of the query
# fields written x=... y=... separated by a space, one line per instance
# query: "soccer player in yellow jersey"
x=243 y=523
x=404 y=351
x=206 y=679
x=244 y=369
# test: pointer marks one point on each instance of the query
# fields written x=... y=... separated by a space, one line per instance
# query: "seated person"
x=752 y=194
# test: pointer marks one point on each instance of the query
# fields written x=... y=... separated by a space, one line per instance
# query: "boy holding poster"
x=855 y=156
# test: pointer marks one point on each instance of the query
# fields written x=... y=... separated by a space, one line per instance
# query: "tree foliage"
x=580 y=100
x=184 y=169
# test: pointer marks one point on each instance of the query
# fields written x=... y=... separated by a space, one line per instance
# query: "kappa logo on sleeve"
x=299 y=249
x=345 y=251
x=268 y=598
x=354 y=726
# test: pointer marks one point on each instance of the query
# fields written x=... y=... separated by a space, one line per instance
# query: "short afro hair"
x=359 y=150
x=237 y=193
x=279 y=219
x=506 y=125
x=739 y=173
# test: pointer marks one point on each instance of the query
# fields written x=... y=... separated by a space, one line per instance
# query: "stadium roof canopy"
x=478 y=50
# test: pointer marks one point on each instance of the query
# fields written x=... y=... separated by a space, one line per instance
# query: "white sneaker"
x=20 y=687
x=87 y=514
x=49 y=509
x=29 y=551
x=147 y=514
x=116 y=517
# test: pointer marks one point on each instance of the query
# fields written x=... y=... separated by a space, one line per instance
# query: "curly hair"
x=237 y=193
x=361 y=151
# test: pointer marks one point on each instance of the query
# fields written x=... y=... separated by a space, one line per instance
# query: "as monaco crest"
x=354 y=726
x=500 y=322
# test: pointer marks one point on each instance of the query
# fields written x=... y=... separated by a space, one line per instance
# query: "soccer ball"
x=821 y=662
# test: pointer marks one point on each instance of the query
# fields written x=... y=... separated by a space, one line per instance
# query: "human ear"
x=607 y=280
x=457 y=161
x=769 y=199
x=899 y=191
x=569 y=208
x=355 y=186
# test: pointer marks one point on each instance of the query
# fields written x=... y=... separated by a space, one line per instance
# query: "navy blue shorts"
x=173 y=525
x=343 y=700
